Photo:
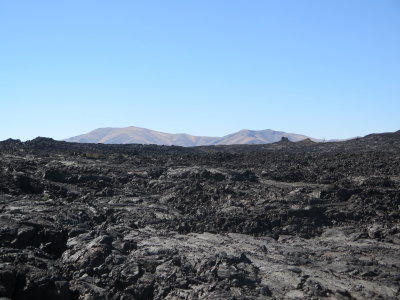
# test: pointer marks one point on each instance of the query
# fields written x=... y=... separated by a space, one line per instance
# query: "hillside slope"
x=137 y=135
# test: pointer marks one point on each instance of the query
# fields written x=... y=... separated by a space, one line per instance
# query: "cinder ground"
x=279 y=221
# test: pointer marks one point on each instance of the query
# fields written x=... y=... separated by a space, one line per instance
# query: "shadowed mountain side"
x=137 y=135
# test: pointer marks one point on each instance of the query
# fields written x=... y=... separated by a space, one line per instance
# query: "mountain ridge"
x=138 y=135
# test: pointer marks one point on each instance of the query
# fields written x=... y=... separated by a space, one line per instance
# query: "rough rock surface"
x=280 y=221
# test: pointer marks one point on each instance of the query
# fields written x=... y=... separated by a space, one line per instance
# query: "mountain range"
x=137 y=135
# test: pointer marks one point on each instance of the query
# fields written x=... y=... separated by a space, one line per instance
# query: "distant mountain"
x=137 y=135
x=266 y=136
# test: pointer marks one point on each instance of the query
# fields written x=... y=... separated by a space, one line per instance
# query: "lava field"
x=286 y=220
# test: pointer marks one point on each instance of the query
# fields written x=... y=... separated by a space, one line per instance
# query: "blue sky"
x=327 y=69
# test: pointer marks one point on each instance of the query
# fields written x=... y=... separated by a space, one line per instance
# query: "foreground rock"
x=283 y=221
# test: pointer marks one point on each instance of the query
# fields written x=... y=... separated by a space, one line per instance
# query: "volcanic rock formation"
x=280 y=221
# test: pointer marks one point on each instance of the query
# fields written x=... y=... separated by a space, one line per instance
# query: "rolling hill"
x=137 y=135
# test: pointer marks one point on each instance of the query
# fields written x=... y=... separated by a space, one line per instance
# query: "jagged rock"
x=279 y=221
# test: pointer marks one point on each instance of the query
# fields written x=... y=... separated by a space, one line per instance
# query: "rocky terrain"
x=286 y=220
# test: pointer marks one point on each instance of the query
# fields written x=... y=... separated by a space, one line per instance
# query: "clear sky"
x=327 y=69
